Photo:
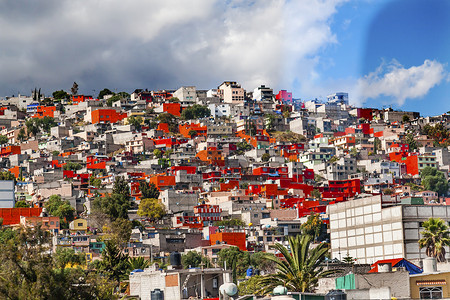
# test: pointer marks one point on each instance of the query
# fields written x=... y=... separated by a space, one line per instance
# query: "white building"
x=364 y=230
x=187 y=95
x=341 y=98
x=231 y=92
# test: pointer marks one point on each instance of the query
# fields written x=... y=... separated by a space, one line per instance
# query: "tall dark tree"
x=148 y=190
x=114 y=263
x=74 y=89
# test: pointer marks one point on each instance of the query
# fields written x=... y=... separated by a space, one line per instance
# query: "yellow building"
x=430 y=286
x=78 y=225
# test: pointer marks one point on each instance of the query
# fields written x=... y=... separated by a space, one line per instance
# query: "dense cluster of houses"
x=260 y=156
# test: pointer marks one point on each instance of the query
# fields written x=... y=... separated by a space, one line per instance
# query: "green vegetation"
x=117 y=204
x=60 y=95
x=151 y=208
x=136 y=122
x=299 y=269
x=171 y=120
x=438 y=133
x=236 y=260
x=148 y=190
x=36 y=125
x=104 y=92
x=313 y=226
x=3 y=140
x=32 y=272
x=265 y=157
x=435 y=237
x=72 y=166
x=410 y=140
x=21 y=204
x=195 y=112
x=60 y=208
x=193 y=259
x=434 y=180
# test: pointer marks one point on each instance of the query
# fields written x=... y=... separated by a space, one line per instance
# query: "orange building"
x=186 y=128
x=172 y=108
x=106 y=116
x=76 y=99
x=162 y=181
x=47 y=223
x=231 y=238
x=15 y=171
x=45 y=111
x=9 y=150
x=212 y=155
x=11 y=216
x=164 y=127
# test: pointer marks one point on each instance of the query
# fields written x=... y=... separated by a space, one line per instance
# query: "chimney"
x=429 y=265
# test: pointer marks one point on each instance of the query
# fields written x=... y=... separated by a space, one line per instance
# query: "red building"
x=106 y=116
x=172 y=108
x=341 y=188
x=11 y=216
x=9 y=150
x=186 y=130
x=45 y=111
x=208 y=213
x=76 y=99
x=230 y=238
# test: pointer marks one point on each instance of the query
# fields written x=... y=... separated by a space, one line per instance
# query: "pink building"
x=284 y=96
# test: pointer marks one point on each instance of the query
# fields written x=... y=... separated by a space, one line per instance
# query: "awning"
x=431 y=282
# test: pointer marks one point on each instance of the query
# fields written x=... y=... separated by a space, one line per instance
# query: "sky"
x=382 y=52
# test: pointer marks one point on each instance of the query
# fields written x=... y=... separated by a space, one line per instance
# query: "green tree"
x=114 y=206
x=265 y=157
x=299 y=269
x=195 y=112
x=104 y=92
x=157 y=153
x=316 y=194
x=237 y=260
x=22 y=135
x=114 y=263
x=192 y=259
x=151 y=208
x=251 y=286
x=121 y=229
x=411 y=141
x=60 y=95
x=3 y=140
x=148 y=190
x=111 y=100
x=21 y=204
x=67 y=257
x=60 y=208
x=28 y=271
x=138 y=263
x=435 y=237
x=136 y=122
x=242 y=147
x=121 y=187
x=170 y=119
x=313 y=226
x=73 y=166
x=405 y=119
x=7 y=175
x=259 y=261
x=192 y=133
x=376 y=145
x=434 y=180
x=31 y=127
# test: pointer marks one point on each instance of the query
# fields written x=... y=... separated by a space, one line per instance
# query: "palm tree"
x=434 y=238
x=138 y=263
x=298 y=270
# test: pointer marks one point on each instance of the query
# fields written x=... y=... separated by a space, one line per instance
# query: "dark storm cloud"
x=125 y=45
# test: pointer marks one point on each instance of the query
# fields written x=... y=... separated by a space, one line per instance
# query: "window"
x=80 y=224
x=431 y=292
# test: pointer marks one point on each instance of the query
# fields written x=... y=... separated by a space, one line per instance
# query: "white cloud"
x=400 y=83
x=160 y=44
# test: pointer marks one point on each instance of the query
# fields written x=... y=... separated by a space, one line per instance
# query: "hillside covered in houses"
x=191 y=189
